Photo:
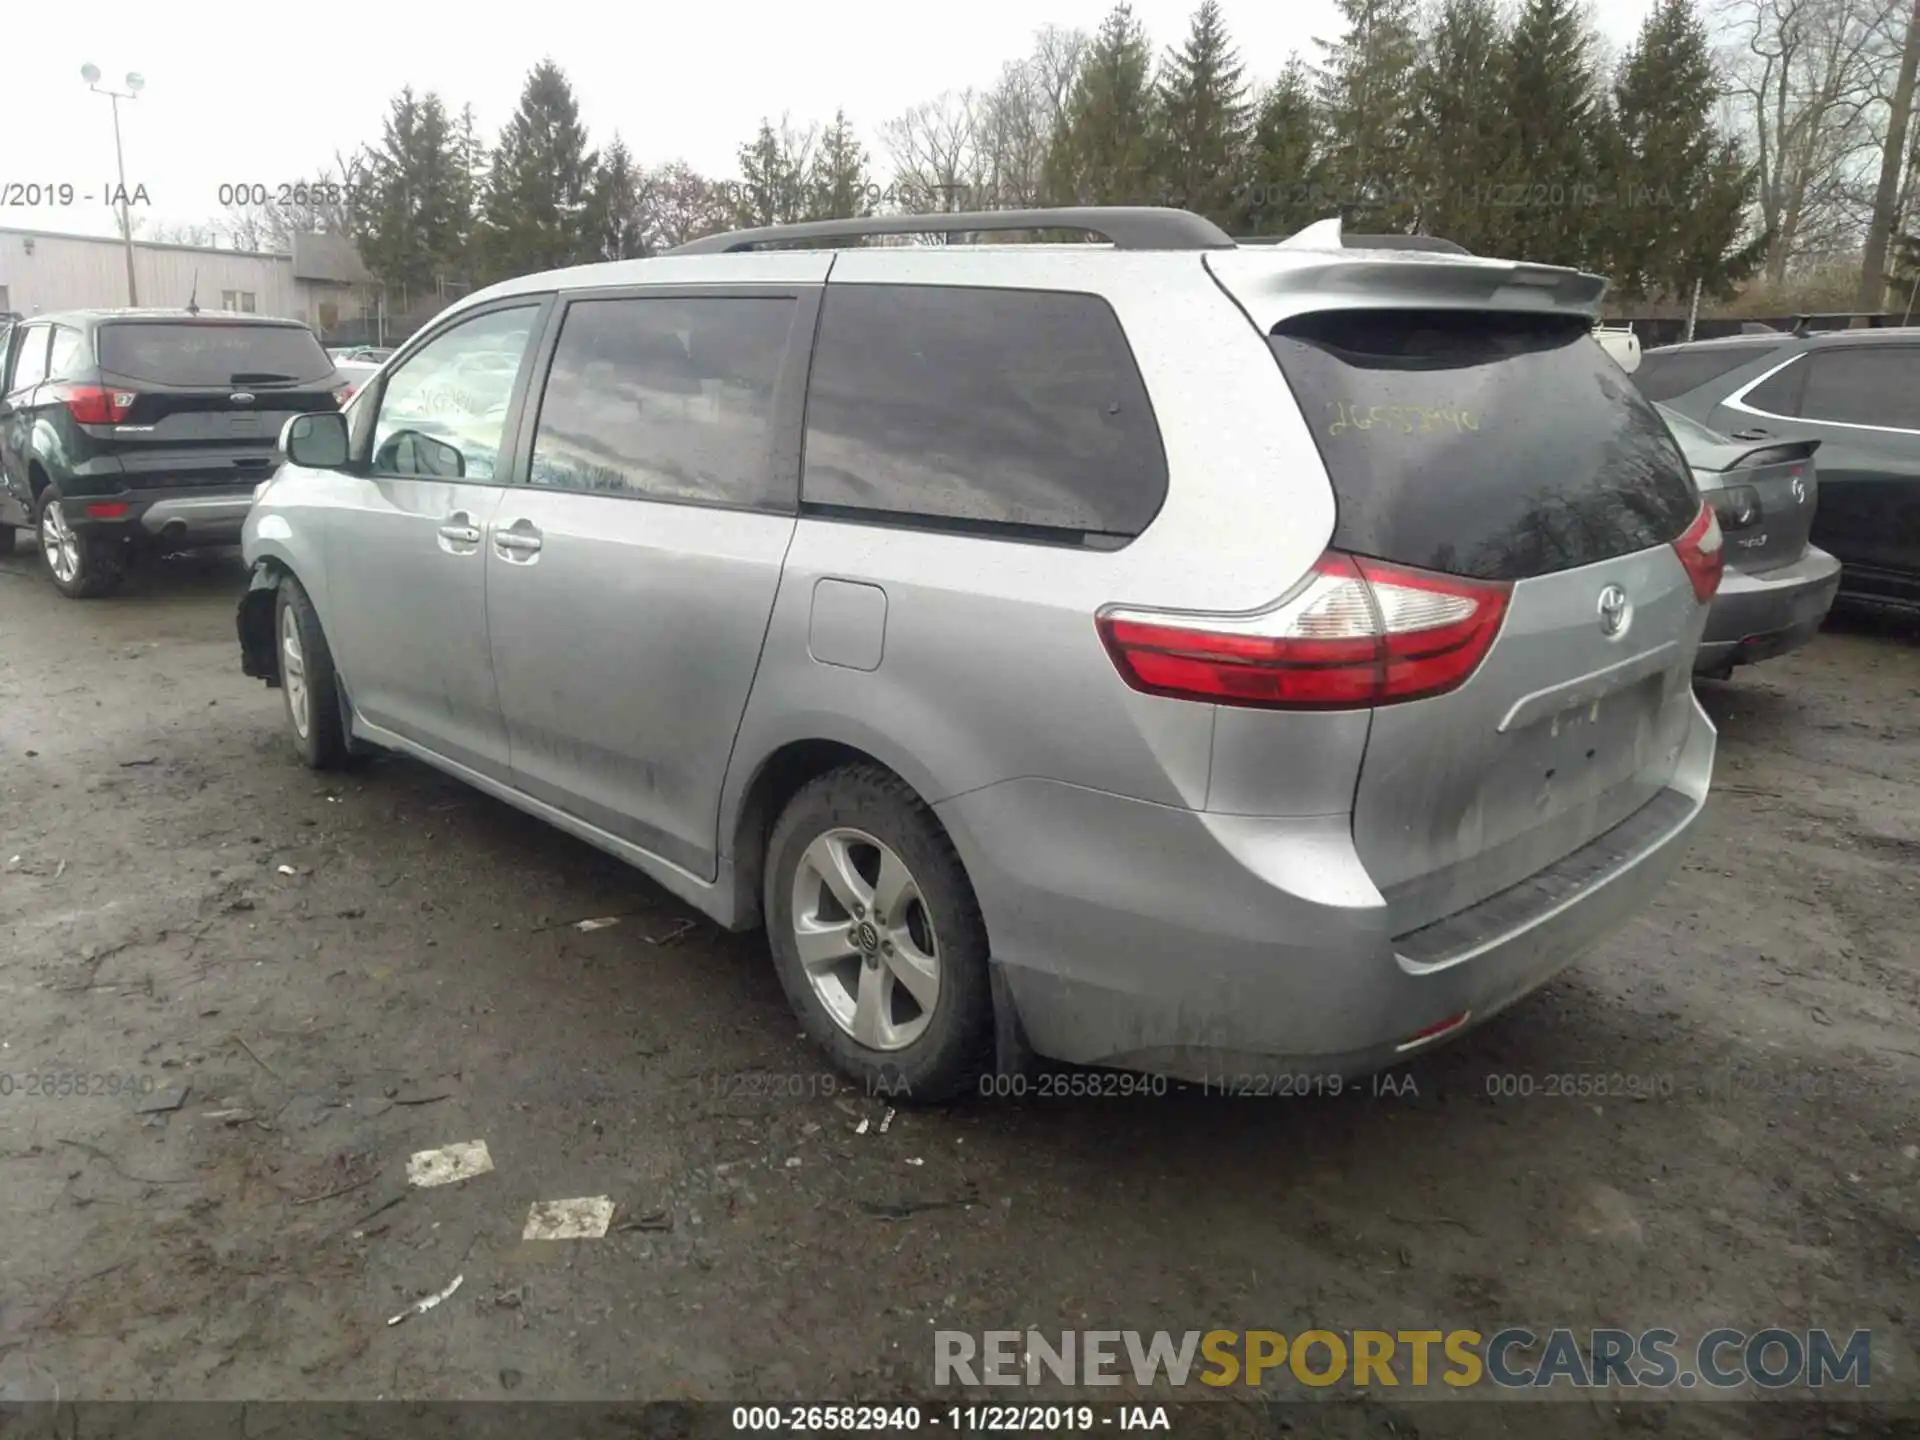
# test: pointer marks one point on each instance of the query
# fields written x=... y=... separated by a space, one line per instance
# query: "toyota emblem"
x=1614 y=612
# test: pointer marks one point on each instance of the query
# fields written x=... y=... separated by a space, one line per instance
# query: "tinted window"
x=1664 y=374
x=1779 y=393
x=30 y=359
x=454 y=390
x=1864 y=385
x=69 y=352
x=1485 y=445
x=208 y=352
x=669 y=399
x=1001 y=407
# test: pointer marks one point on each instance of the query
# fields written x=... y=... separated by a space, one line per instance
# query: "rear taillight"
x=95 y=405
x=1701 y=550
x=1360 y=632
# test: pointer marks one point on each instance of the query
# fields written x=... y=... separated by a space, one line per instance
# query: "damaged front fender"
x=259 y=656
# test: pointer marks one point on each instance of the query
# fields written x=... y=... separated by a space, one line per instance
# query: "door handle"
x=517 y=541
x=460 y=534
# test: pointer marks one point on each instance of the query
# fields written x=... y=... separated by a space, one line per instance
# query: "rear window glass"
x=1015 y=411
x=1665 y=374
x=211 y=353
x=1492 y=446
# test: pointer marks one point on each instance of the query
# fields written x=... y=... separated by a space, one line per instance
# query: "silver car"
x=1158 y=654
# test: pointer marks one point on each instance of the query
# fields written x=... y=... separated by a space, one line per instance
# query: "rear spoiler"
x=1780 y=452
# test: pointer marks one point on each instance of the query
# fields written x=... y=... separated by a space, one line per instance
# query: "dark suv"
x=123 y=430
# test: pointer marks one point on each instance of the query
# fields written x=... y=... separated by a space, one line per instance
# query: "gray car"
x=1778 y=586
x=1195 y=659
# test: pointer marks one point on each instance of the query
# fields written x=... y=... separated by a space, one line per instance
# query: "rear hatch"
x=1764 y=495
x=202 y=401
x=1502 y=449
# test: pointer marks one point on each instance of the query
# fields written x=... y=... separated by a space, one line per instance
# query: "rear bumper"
x=1207 y=946
x=1759 y=615
x=184 y=518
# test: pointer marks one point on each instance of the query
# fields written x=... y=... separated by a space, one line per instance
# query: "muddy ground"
x=416 y=981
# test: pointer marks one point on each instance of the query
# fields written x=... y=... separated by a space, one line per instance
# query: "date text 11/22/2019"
x=959 y=1419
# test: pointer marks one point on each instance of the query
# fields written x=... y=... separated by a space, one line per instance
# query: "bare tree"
x=204 y=233
x=1019 y=116
x=1806 y=78
x=678 y=204
x=324 y=204
x=936 y=152
x=1894 y=167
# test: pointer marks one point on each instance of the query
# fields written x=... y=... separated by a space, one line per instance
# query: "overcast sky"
x=251 y=96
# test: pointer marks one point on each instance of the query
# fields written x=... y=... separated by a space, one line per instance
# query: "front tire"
x=877 y=937
x=307 y=680
x=82 y=565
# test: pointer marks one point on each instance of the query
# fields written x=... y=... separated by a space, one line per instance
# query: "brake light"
x=108 y=510
x=95 y=405
x=1360 y=633
x=1703 y=552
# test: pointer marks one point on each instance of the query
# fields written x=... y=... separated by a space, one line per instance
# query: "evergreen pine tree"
x=1678 y=193
x=615 y=205
x=837 y=185
x=1549 y=198
x=772 y=189
x=1103 y=154
x=1457 y=138
x=1202 y=119
x=538 y=203
x=409 y=222
x=1366 y=86
x=1284 y=188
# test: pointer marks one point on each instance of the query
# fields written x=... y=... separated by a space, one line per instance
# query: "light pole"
x=135 y=84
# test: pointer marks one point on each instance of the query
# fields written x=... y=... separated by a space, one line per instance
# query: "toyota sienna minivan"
x=1152 y=653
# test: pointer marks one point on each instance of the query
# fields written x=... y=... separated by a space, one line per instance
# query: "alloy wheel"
x=293 y=671
x=61 y=545
x=866 y=939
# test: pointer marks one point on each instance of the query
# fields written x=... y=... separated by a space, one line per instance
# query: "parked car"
x=1857 y=392
x=1778 y=587
x=1164 y=655
x=131 y=430
x=350 y=375
x=361 y=354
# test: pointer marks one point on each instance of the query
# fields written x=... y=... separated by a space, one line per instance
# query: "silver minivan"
x=1156 y=653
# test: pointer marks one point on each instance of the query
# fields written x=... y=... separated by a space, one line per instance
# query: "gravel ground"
x=344 y=970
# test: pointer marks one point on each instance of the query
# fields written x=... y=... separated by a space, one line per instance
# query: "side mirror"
x=315 y=442
x=409 y=452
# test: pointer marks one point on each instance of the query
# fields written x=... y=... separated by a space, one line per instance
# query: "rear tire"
x=900 y=1002
x=82 y=565
x=308 y=683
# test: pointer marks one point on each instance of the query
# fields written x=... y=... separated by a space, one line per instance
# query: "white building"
x=322 y=282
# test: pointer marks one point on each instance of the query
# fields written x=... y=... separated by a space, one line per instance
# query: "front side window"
x=30 y=358
x=1016 y=411
x=666 y=399
x=1864 y=385
x=443 y=411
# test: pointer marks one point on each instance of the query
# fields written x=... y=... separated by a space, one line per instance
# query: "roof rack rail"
x=1876 y=320
x=1125 y=227
x=1434 y=243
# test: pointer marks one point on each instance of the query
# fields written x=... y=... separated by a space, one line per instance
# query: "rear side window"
x=1015 y=411
x=1665 y=374
x=1864 y=385
x=212 y=353
x=29 y=358
x=666 y=399
x=69 y=353
x=1493 y=446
